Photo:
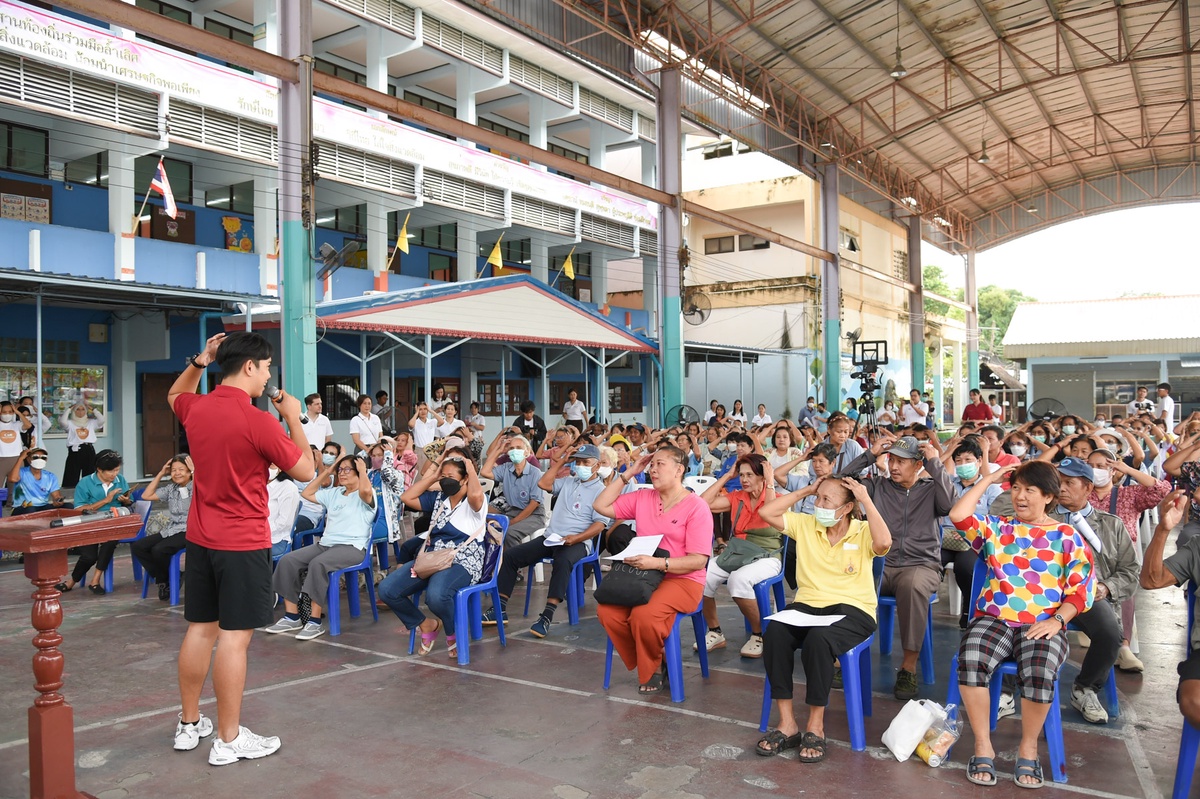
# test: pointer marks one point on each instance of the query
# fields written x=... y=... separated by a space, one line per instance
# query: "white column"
x=120 y=212
x=468 y=250
x=123 y=429
x=599 y=277
x=265 y=235
x=537 y=121
x=650 y=292
x=376 y=68
x=266 y=14
x=649 y=162
x=960 y=391
x=464 y=100
x=539 y=259
x=598 y=145
x=377 y=237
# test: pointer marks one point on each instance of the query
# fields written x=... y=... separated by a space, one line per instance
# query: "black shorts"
x=232 y=588
x=1188 y=670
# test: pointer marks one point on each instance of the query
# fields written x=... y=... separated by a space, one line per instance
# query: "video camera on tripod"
x=868 y=356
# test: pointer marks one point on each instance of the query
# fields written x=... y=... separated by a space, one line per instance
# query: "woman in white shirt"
x=452 y=425
x=785 y=448
x=12 y=424
x=439 y=399
x=739 y=413
x=81 y=443
x=762 y=418
x=283 y=506
x=365 y=428
x=574 y=411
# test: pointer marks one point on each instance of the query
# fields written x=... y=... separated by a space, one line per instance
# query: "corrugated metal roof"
x=1125 y=326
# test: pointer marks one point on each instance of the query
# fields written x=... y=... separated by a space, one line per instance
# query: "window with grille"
x=517 y=251
x=338 y=395
x=900 y=264
x=718 y=245
x=581 y=287
x=490 y=397
x=352 y=219
x=748 y=242
x=179 y=175
x=24 y=350
x=624 y=397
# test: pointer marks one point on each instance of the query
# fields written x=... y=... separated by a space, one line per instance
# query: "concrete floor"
x=359 y=717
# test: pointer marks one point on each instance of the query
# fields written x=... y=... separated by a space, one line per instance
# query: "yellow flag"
x=568 y=267
x=494 y=260
x=402 y=239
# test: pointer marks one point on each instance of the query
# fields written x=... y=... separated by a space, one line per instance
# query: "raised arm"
x=1155 y=573
x=151 y=491
x=716 y=496
x=604 y=503
x=14 y=474
x=966 y=504
x=881 y=537
x=773 y=512
x=784 y=469
x=189 y=379
x=310 y=491
x=1187 y=452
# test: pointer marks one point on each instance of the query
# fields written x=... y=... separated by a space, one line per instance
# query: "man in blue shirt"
x=566 y=540
x=519 y=479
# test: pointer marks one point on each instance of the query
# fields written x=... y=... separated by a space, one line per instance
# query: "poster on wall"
x=24 y=201
x=181 y=229
x=62 y=388
x=12 y=206
x=239 y=233
x=37 y=209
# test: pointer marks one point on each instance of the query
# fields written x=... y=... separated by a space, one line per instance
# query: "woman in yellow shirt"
x=834 y=555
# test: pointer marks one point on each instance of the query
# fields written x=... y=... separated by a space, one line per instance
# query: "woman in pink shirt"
x=685 y=524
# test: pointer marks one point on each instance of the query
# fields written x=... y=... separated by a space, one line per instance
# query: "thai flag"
x=161 y=185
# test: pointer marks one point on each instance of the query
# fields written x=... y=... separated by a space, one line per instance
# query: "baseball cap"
x=1074 y=467
x=641 y=428
x=613 y=440
x=907 y=447
x=587 y=451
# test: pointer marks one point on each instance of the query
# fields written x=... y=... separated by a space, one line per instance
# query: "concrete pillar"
x=831 y=305
x=960 y=390
x=599 y=277
x=670 y=239
x=121 y=209
x=598 y=144
x=464 y=101
x=468 y=250
x=123 y=425
x=938 y=383
x=537 y=121
x=266 y=14
x=649 y=174
x=266 y=232
x=916 y=303
x=972 y=299
x=539 y=260
x=377 y=237
x=376 y=66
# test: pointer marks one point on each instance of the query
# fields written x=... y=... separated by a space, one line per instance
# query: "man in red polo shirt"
x=228 y=579
x=978 y=410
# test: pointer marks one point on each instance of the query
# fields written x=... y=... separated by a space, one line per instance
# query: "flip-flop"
x=777 y=742
x=981 y=765
x=652 y=686
x=812 y=741
x=1028 y=768
x=428 y=642
x=62 y=588
x=451 y=646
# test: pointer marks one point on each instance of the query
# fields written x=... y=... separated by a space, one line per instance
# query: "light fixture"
x=983 y=156
x=898 y=71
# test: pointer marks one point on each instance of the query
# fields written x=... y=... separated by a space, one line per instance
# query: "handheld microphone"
x=90 y=517
x=274 y=392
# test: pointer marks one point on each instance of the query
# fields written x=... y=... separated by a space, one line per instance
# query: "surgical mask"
x=1102 y=477
x=272 y=473
x=516 y=455
x=449 y=486
x=1040 y=439
x=377 y=462
x=328 y=459
x=605 y=472
x=584 y=473
x=7 y=417
x=967 y=471
x=38 y=463
x=1018 y=449
x=826 y=517
x=811 y=406
x=1068 y=429
x=1111 y=448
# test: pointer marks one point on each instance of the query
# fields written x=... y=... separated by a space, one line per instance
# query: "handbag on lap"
x=629 y=587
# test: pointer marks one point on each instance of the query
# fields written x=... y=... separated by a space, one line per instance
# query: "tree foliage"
x=996 y=306
x=935 y=280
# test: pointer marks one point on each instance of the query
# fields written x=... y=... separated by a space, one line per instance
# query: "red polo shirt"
x=978 y=412
x=232 y=444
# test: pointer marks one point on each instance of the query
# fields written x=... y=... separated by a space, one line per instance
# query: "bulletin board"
x=62 y=387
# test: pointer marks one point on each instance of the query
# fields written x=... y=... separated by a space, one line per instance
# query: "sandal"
x=777 y=742
x=812 y=741
x=652 y=686
x=452 y=646
x=98 y=590
x=62 y=588
x=1028 y=768
x=428 y=639
x=981 y=765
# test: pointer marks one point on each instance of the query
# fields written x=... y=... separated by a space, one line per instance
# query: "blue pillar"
x=670 y=239
x=916 y=303
x=831 y=304
x=972 y=297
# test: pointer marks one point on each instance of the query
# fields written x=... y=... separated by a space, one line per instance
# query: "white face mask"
x=38 y=463
x=1018 y=449
x=7 y=417
x=605 y=472
x=1102 y=477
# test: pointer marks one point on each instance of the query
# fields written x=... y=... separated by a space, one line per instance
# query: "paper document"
x=640 y=545
x=552 y=540
x=797 y=618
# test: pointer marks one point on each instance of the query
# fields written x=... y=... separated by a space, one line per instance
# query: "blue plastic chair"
x=576 y=594
x=673 y=652
x=308 y=536
x=468 y=605
x=763 y=590
x=1189 y=739
x=144 y=508
x=856 y=685
x=885 y=611
x=1053 y=726
x=333 y=610
x=174 y=578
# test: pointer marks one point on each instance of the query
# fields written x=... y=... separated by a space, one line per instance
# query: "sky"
x=1153 y=250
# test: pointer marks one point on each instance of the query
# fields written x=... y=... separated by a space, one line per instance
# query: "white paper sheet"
x=552 y=540
x=640 y=545
x=797 y=618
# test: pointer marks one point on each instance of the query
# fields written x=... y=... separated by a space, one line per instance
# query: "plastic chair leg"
x=927 y=651
x=886 y=615
x=673 y=657
x=500 y=621
x=1110 y=694
x=333 y=606
x=864 y=668
x=173 y=577
x=608 y=656
x=352 y=598
x=574 y=594
x=528 y=589
x=475 y=615
x=1189 y=747
x=852 y=688
x=108 y=576
x=462 y=628
x=765 y=718
x=953 y=695
x=1054 y=740
x=700 y=628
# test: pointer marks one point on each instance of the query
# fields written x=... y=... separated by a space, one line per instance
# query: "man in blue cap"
x=568 y=538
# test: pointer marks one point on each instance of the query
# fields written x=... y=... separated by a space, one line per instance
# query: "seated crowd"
x=1039 y=522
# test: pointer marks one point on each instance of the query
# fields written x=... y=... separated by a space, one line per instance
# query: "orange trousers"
x=638 y=633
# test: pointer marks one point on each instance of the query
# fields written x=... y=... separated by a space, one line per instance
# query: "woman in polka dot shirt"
x=1039 y=577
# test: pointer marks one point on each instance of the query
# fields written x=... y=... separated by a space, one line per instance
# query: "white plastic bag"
x=909 y=726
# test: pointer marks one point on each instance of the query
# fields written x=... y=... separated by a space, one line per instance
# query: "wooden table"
x=51 y=725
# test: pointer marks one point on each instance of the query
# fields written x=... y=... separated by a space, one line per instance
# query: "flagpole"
x=137 y=218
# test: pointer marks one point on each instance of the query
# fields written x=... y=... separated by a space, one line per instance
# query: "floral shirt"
x=1131 y=502
x=1189 y=480
x=1032 y=570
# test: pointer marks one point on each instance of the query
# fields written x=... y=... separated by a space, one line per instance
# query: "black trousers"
x=614 y=541
x=40 y=508
x=1103 y=625
x=98 y=555
x=79 y=464
x=964 y=568
x=819 y=647
x=531 y=552
x=155 y=552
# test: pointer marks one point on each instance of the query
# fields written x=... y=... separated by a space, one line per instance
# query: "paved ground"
x=359 y=717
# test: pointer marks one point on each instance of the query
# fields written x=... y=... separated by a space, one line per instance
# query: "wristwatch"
x=192 y=361
x=1058 y=618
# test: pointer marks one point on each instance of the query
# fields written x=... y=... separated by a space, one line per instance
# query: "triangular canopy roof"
x=515 y=308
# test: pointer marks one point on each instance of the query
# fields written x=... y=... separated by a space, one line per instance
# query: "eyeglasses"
x=346 y=470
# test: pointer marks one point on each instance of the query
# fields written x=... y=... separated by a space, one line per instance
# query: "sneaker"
x=489 y=617
x=753 y=648
x=1007 y=707
x=906 y=685
x=1127 y=661
x=187 y=736
x=164 y=592
x=541 y=627
x=837 y=678
x=1088 y=704
x=284 y=625
x=314 y=629
x=711 y=641
x=246 y=745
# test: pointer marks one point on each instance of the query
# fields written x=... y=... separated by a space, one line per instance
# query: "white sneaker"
x=711 y=641
x=311 y=630
x=1086 y=702
x=246 y=745
x=753 y=648
x=284 y=625
x=1127 y=661
x=1007 y=707
x=187 y=736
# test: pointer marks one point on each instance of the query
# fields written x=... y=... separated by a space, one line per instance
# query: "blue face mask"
x=583 y=473
x=516 y=455
x=328 y=459
x=1068 y=429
